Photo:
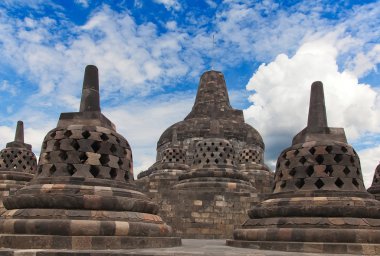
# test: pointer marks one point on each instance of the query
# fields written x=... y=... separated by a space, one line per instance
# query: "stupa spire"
x=19 y=136
x=317 y=109
x=90 y=100
x=317 y=128
x=90 y=104
x=212 y=98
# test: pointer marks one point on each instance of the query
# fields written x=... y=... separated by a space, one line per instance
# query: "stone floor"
x=190 y=247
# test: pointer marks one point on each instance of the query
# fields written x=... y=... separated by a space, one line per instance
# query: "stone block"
x=221 y=204
x=197 y=202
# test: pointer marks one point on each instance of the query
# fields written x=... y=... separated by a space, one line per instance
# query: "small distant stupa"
x=375 y=186
x=18 y=164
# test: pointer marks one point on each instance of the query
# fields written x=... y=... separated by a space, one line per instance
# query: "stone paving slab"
x=190 y=247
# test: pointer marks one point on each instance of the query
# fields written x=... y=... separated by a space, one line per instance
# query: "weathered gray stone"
x=82 y=196
x=319 y=202
x=211 y=154
x=18 y=165
x=375 y=186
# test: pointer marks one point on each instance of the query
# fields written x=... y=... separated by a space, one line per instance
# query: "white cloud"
x=35 y=4
x=83 y=3
x=132 y=59
x=262 y=30
x=282 y=89
x=138 y=3
x=369 y=159
x=52 y=53
x=7 y=134
x=366 y=62
x=170 y=4
x=251 y=30
x=137 y=58
x=171 y=25
x=211 y=3
x=8 y=88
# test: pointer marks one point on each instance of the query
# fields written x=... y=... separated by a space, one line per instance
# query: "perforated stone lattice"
x=375 y=186
x=18 y=159
x=173 y=155
x=213 y=152
x=91 y=152
x=319 y=167
x=376 y=177
x=251 y=155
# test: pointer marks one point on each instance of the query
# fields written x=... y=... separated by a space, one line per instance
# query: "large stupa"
x=82 y=196
x=210 y=160
x=319 y=202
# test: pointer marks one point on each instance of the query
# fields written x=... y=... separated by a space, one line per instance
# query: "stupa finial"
x=19 y=136
x=90 y=94
x=212 y=99
x=317 y=109
x=317 y=128
x=89 y=111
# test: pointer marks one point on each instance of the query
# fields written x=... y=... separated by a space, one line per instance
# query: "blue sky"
x=151 y=53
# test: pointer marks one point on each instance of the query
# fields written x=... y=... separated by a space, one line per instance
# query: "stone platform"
x=205 y=214
x=190 y=247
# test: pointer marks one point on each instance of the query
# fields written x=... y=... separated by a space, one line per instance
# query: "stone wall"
x=198 y=214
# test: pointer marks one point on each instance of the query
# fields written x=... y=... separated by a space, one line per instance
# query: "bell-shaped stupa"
x=82 y=196
x=212 y=117
x=209 y=166
x=319 y=202
x=18 y=164
x=375 y=186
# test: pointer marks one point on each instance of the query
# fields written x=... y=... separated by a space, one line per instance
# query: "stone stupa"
x=212 y=117
x=18 y=164
x=319 y=202
x=209 y=167
x=375 y=186
x=82 y=196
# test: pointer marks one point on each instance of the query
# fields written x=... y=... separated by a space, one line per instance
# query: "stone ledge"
x=190 y=247
x=309 y=247
x=85 y=242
